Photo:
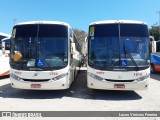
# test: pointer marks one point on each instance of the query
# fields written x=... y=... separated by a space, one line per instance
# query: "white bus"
x=45 y=55
x=4 y=56
x=3 y=35
x=118 y=55
x=84 y=47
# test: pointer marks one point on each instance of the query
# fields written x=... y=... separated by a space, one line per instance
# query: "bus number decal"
x=53 y=73
x=99 y=72
x=18 y=73
x=137 y=74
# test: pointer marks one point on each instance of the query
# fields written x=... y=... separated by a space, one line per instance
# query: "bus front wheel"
x=153 y=68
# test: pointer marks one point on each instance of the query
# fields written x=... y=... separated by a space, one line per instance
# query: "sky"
x=78 y=13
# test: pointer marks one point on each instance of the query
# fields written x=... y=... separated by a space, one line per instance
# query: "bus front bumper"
x=49 y=85
x=105 y=85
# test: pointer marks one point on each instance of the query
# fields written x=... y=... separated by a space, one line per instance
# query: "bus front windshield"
x=118 y=45
x=42 y=46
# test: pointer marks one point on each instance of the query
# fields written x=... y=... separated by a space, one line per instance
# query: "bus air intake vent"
x=39 y=80
x=109 y=80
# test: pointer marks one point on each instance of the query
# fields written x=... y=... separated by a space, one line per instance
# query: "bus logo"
x=36 y=74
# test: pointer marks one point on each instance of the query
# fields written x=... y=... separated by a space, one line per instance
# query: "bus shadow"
x=6 y=91
x=79 y=90
x=155 y=76
x=115 y=95
x=104 y=94
x=4 y=77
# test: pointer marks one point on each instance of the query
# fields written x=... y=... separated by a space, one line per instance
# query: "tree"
x=155 y=32
x=80 y=34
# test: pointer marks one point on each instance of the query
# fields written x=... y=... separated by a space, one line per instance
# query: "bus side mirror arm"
x=71 y=39
x=3 y=48
x=73 y=48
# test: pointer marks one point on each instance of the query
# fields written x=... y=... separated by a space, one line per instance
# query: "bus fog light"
x=142 y=78
x=95 y=76
x=59 y=77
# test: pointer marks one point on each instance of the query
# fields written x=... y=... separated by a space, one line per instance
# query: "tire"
x=153 y=68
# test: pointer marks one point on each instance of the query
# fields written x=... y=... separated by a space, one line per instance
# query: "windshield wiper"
x=91 y=62
x=38 y=53
x=112 y=63
x=130 y=56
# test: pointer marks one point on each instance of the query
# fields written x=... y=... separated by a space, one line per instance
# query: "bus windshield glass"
x=118 y=45
x=44 y=43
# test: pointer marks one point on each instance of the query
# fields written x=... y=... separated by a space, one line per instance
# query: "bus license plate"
x=35 y=85
x=119 y=86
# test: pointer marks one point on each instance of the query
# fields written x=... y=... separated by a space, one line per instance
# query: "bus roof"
x=5 y=39
x=118 y=21
x=4 y=34
x=44 y=22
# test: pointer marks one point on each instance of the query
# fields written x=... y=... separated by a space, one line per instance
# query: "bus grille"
x=119 y=80
x=39 y=80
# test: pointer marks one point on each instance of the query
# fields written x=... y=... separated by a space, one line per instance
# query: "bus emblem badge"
x=119 y=77
x=36 y=74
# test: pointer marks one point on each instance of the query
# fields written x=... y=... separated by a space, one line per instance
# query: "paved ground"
x=79 y=98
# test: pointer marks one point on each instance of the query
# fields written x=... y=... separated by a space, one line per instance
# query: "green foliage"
x=80 y=34
x=155 y=32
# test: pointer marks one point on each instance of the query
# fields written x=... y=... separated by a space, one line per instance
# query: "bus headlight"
x=142 y=78
x=95 y=76
x=15 y=77
x=60 y=77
